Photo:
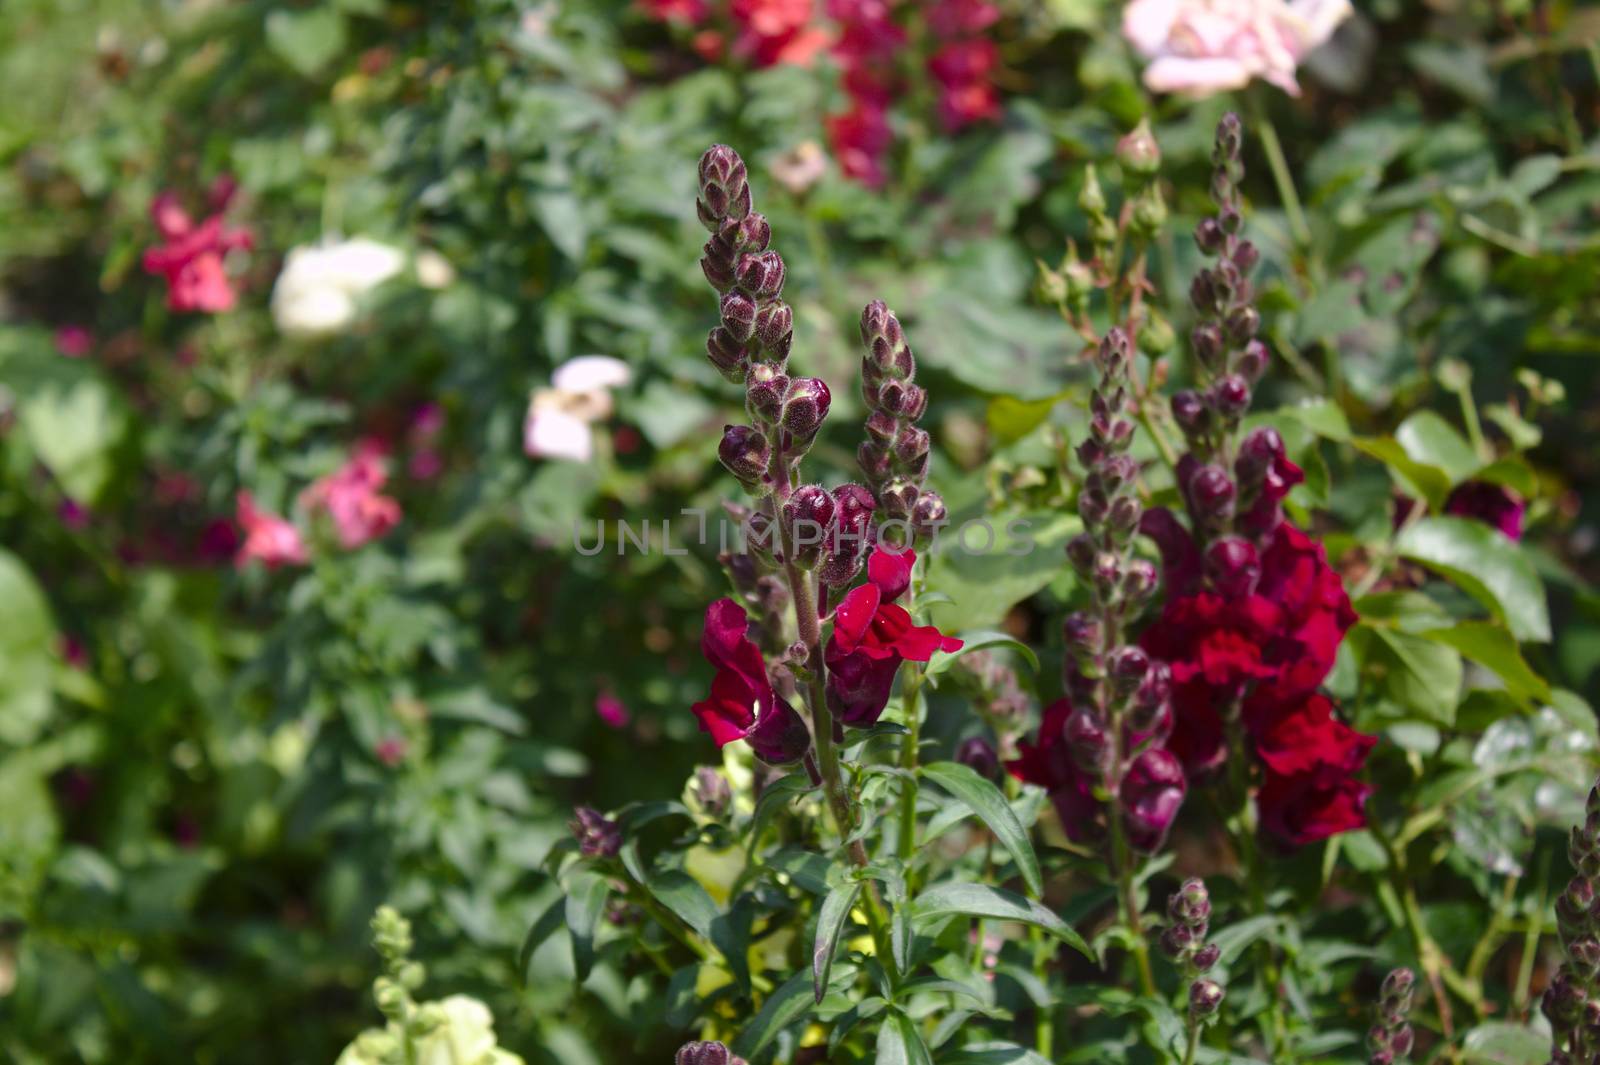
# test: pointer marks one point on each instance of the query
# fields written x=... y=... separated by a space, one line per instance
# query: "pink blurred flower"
x=609 y=709
x=267 y=537
x=391 y=750
x=685 y=12
x=350 y=497
x=72 y=652
x=425 y=462
x=190 y=256
x=74 y=341
x=861 y=139
x=1200 y=47
x=777 y=31
x=73 y=514
x=966 y=95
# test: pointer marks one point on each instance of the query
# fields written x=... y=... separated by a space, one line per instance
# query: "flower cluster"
x=1391 y=1038
x=320 y=287
x=598 y=836
x=1184 y=941
x=1254 y=614
x=559 y=419
x=1572 y=1001
x=743 y=704
x=1200 y=47
x=1109 y=734
x=351 y=497
x=190 y=255
x=894 y=455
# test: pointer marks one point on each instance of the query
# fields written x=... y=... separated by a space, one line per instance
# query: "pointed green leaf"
x=831 y=919
x=977 y=641
x=1486 y=565
x=782 y=1008
x=990 y=805
x=586 y=898
x=976 y=900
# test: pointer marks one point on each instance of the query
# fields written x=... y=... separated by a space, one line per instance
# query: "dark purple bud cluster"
x=828 y=531
x=1572 y=1001
x=1184 y=941
x=752 y=340
x=1229 y=359
x=1390 y=1039
x=894 y=455
x=706 y=1053
x=978 y=755
x=598 y=836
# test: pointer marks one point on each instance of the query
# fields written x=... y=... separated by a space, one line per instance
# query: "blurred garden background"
x=292 y=442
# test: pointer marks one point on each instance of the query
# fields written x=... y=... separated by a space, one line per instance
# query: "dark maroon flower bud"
x=928 y=516
x=598 y=836
x=897 y=499
x=1081 y=550
x=1230 y=220
x=1117 y=471
x=911 y=445
x=859 y=687
x=885 y=341
x=1233 y=566
x=1128 y=667
x=1093 y=506
x=1152 y=791
x=739 y=315
x=774 y=328
x=1176 y=940
x=1204 y=998
x=724 y=189
x=1156 y=687
x=1230 y=396
x=903 y=400
x=1206 y=340
x=1190 y=904
x=1398 y=986
x=1206 y=957
x=761 y=274
x=765 y=388
x=808 y=517
x=1211 y=494
x=1107 y=573
x=978 y=754
x=1401 y=1041
x=1114 y=353
x=1208 y=236
x=1585 y=954
x=881 y=427
x=1251 y=363
x=853 y=509
x=806 y=406
x=726 y=354
x=746 y=453
x=1191 y=413
x=1245 y=256
x=754 y=232
x=1139 y=579
x=1261 y=449
x=1243 y=322
x=1083 y=634
x=1229 y=140
x=716 y=261
x=1125 y=514
x=1086 y=739
x=876 y=462
x=698 y=1053
x=1203 y=293
x=1378 y=1041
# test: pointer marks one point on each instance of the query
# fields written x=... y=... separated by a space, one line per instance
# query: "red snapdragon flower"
x=872 y=636
x=686 y=12
x=774 y=32
x=742 y=704
x=1493 y=504
x=190 y=255
x=267 y=537
x=350 y=496
x=962 y=69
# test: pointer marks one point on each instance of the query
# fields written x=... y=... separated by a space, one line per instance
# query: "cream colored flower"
x=319 y=290
x=1200 y=47
x=559 y=417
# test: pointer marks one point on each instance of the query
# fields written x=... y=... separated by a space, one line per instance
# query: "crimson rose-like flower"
x=872 y=635
x=742 y=704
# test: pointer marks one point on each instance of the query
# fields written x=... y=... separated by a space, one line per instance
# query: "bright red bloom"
x=962 y=69
x=1302 y=738
x=742 y=704
x=1493 y=504
x=686 y=12
x=350 y=496
x=872 y=635
x=957 y=18
x=267 y=537
x=1310 y=807
x=773 y=32
x=190 y=257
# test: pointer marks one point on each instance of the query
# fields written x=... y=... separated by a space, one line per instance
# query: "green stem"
x=1279 y=165
x=909 y=750
x=1193 y=1042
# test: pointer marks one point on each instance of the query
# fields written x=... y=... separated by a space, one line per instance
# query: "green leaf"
x=1495 y=649
x=542 y=930
x=307 y=40
x=586 y=899
x=900 y=1041
x=987 y=563
x=993 y=1054
x=977 y=641
x=1511 y=472
x=831 y=919
x=1498 y=1043
x=74 y=430
x=1418 y=673
x=1432 y=441
x=1322 y=416
x=683 y=895
x=1238 y=935
x=27 y=655
x=1487 y=566
x=778 y=794
x=990 y=805
x=976 y=900
x=782 y=1008
x=1010 y=419
x=1416 y=479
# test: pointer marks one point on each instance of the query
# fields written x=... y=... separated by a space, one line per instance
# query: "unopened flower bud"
x=598 y=836
x=1398 y=986
x=739 y=315
x=806 y=406
x=1211 y=494
x=761 y=274
x=724 y=188
x=765 y=389
x=746 y=453
x=1251 y=363
x=716 y=262
x=1206 y=957
x=853 y=509
x=1091 y=200
x=1139 y=579
x=928 y=516
x=1261 y=449
x=1137 y=150
x=1233 y=566
x=978 y=754
x=1245 y=256
x=705 y=1053
x=1203 y=293
x=1125 y=514
x=1191 y=413
x=1157 y=337
x=808 y=517
x=1086 y=739
x=1049 y=285
x=897 y=499
x=1150 y=211
x=1191 y=903
x=1128 y=667
x=1243 y=322
x=726 y=354
x=1205 y=997
x=1083 y=634
x=1176 y=939
x=911 y=445
x=1208 y=236
x=1206 y=339
x=1081 y=550
x=775 y=328
x=1107 y=572
x=710 y=791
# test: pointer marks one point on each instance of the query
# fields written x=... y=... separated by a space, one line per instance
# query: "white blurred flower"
x=434 y=270
x=1200 y=47
x=320 y=287
x=559 y=417
x=465 y=1038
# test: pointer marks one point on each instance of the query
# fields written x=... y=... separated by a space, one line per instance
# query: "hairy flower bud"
x=1152 y=791
x=1208 y=236
x=978 y=754
x=806 y=406
x=928 y=516
x=1243 y=322
x=738 y=315
x=726 y=354
x=1157 y=337
x=1083 y=634
x=1206 y=339
x=724 y=188
x=766 y=387
x=1127 y=668
x=1086 y=739
x=1191 y=413
x=761 y=274
x=1251 y=362
x=1210 y=494
x=1176 y=939
x=853 y=509
x=897 y=499
x=1261 y=449
x=1206 y=957
x=1245 y=256
x=808 y=517
x=746 y=453
x=1233 y=566
x=598 y=836
x=774 y=328
x=1139 y=579
x=1205 y=996
x=705 y=1053
x=1190 y=904
x=710 y=791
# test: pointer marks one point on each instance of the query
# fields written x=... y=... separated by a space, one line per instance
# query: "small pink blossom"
x=609 y=709
x=267 y=537
x=74 y=341
x=73 y=514
x=350 y=497
x=425 y=462
x=190 y=256
x=1201 y=47
x=391 y=750
x=72 y=652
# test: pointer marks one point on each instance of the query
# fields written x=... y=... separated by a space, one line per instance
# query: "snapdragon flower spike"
x=1572 y=1001
x=872 y=636
x=894 y=456
x=1391 y=1039
x=755 y=326
x=742 y=704
x=598 y=836
x=705 y=1053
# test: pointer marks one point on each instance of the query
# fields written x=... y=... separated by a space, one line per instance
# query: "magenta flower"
x=267 y=538
x=350 y=497
x=74 y=341
x=190 y=257
x=609 y=709
x=742 y=704
x=1493 y=504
